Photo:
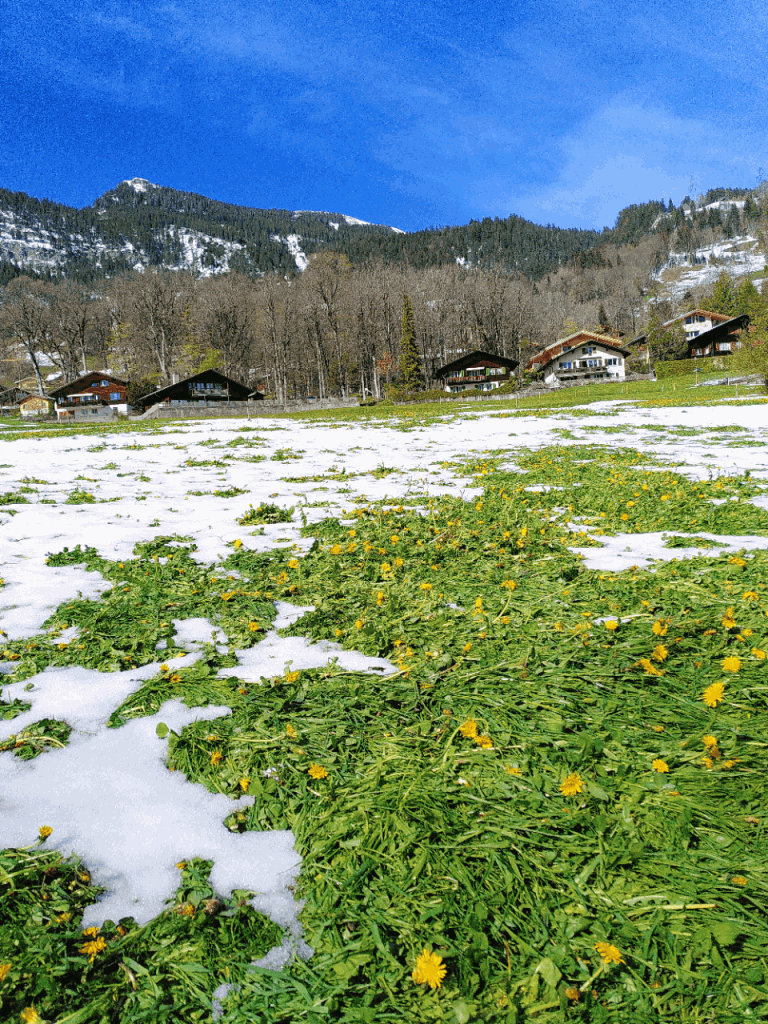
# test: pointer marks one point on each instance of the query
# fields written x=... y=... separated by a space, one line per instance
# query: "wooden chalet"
x=209 y=387
x=12 y=395
x=571 y=343
x=477 y=371
x=596 y=357
x=92 y=389
x=721 y=339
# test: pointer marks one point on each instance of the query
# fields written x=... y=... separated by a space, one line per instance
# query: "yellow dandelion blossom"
x=399 y=562
x=468 y=729
x=709 y=740
x=513 y=770
x=731 y=664
x=735 y=560
x=713 y=694
x=479 y=603
x=612 y=624
x=216 y=757
x=429 y=969
x=291 y=677
x=380 y=598
x=293 y=564
x=757 y=653
x=359 y=623
x=660 y=653
x=45 y=831
x=466 y=648
x=558 y=627
x=244 y=784
x=609 y=954
x=290 y=732
x=164 y=668
x=317 y=771
x=31 y=1016
x=571 y=785
x=660 y=627
x=425 y=586
x=4 y=969
x=728 y=620
x=238 y=544
x=658 y=728
x=739 y=880
x=92 y=948
x=181 y=865
x=573 y=994
x=336 y=549
x=650 y=669
x=253 y=627
x=750 y=595
x=659 y=766
x=509 y=585
x=484 y=741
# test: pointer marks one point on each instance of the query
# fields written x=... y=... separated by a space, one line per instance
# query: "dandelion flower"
x=181 y=865
x=291 y=732
x=731 y=664
x=317 y=771
x=238 y=544
x=659 y=766
x=513 y=770
x=31 y=1016
x=608 y=953
x=750 y=595
x=4 y=969
x=757 y=653
x=728 y=620
x=650 y=669
x=45 y=831
x=216 y=757
x=253 y=627
x=425 y=586
x=359 y=623
x=293 y=564
x=660 y=653
x=713 y=694
x=660 y=627
x=468 y=729
x=573 y=993
x=291 y=677
x=612 y=625
x=484 y=741
x=571 y=785
x=739 y=880
x=164 y=668
x=509 y=585
x=336 y=549
x=709 y=740
x=429 y=969
x=244 y=784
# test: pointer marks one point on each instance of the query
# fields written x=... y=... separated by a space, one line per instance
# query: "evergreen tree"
x=722 y=299
x=602 y=318
x=411 y=374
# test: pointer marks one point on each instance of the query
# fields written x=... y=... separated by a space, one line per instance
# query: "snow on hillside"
x=739 y=256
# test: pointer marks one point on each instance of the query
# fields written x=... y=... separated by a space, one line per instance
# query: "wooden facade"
x=92 y=389
x=570 y=343
x=477 y=371
x=205 y=388
x=36 y=405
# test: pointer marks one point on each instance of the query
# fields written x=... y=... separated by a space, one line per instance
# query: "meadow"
x=436 y=713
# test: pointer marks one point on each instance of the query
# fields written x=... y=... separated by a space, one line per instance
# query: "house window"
x=724 y=346
x=103 y=384
x=210 y=387
x=588 y=351
x=114 y=396
x=689 y=319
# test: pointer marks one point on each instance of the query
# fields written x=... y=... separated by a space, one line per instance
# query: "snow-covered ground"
x=739 y=256
x=107 y=794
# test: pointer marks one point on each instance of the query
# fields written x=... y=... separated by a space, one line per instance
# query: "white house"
x=592 y=360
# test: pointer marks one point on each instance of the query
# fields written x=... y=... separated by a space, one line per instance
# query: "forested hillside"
x=151 y=282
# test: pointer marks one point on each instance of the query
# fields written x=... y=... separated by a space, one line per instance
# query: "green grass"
x=442 y=821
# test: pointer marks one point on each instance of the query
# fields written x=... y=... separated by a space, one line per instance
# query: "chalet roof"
x=725 y=327
x=552 y=351
x=80 y=382
x=720 y=317
x=606 y=344
x=205 y=376
x=472 y=357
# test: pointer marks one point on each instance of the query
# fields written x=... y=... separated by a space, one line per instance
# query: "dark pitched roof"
x=476 y=356
x=205 y=376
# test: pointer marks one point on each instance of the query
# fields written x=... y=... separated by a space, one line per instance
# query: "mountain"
x=139 y=224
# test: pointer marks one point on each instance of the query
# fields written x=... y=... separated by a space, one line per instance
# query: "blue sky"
x=562 y=111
